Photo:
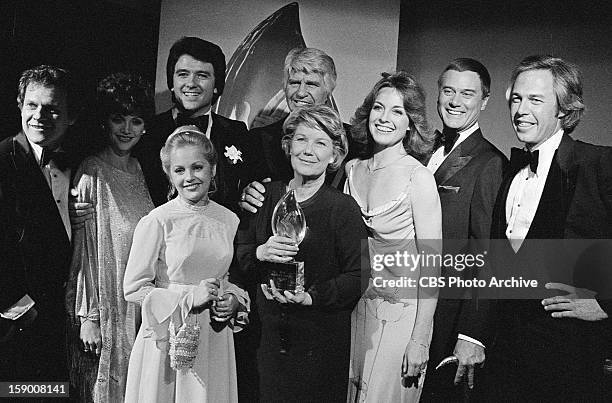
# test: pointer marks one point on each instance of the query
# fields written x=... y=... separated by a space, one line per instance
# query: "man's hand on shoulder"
x=252 y=196
x=263 y=120
x=79 y=212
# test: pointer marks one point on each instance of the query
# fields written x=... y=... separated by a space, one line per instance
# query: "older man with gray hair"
x=310 y=79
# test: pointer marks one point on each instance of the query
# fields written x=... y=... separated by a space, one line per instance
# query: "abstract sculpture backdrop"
x=256 y=35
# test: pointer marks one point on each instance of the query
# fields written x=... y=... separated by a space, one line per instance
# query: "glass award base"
x=287 y=276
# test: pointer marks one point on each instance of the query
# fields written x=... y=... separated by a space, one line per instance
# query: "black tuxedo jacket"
x=230 y=177
x=576 y=203
x=279 y=165
x=35 y=256
x=468 y=181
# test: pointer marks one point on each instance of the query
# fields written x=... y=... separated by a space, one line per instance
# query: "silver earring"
x=212 y=188
x=172 y=192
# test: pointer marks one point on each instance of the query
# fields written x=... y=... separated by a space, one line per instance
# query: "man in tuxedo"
x=310 y=79
x=551 y=346
x=468 y=172
x=195 y=73
x=35 y=230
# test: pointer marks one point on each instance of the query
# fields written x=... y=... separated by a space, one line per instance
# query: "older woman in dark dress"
x=305 y=337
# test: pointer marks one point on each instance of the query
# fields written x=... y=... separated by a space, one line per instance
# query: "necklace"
x=381 y=166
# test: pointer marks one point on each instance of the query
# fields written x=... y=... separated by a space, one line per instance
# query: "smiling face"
x=44 y=115
x=190 y=173
x=388 y=121
x=303 y=89
x=124 y=132
x=460 y=99
x=533 y=107
x=311 y=151
x=193 y=85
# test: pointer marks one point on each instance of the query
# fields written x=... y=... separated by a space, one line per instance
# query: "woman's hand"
x=271 y=292
x=414 y=363
x=206 y=292
x=278 y=249
x=225 y=308
x=91 y=336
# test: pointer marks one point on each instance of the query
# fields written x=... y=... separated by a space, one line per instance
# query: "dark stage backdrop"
x=90 y=37
x=500 y=34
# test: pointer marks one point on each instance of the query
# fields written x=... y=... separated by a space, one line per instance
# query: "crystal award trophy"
x=288 y=220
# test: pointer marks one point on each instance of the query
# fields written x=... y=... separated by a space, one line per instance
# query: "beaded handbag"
x=183 y=344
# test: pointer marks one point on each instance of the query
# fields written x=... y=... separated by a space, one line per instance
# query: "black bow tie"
x=59 y=157
x=520 y=158
x=183 y=119
x=448 y=139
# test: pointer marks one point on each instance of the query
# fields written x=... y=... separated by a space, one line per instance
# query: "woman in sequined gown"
x=392 y=323
x=112 y=181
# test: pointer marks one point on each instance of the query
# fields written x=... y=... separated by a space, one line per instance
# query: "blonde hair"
x=186 y=136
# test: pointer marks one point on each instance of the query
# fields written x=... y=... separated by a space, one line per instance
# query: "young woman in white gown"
x=178 y=272
x=392 y=323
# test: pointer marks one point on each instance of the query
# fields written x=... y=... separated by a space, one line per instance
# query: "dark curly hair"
x=122 y=94
x=419 y=141
x=125 y=94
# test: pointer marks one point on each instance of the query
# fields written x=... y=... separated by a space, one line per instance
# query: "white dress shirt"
x=526 y=190
x=438 y=156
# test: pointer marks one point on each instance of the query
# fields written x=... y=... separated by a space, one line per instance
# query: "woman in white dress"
x=178 y=272
x=112 y=182
x=392 y=323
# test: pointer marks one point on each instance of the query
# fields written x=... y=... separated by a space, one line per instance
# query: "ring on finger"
x=242 y=197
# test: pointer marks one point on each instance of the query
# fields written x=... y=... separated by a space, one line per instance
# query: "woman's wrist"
x=259 y=253
x=420 y=343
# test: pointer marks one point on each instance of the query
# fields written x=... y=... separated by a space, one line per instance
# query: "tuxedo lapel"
x=551 y=214
x=566 y=158
x=217 y=138
x=34 y=197
x=271 y=139
x=458 y=158
x=499 y=223
x=30 y=176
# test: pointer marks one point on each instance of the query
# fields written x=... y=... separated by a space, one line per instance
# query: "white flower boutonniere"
x=233 y=154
